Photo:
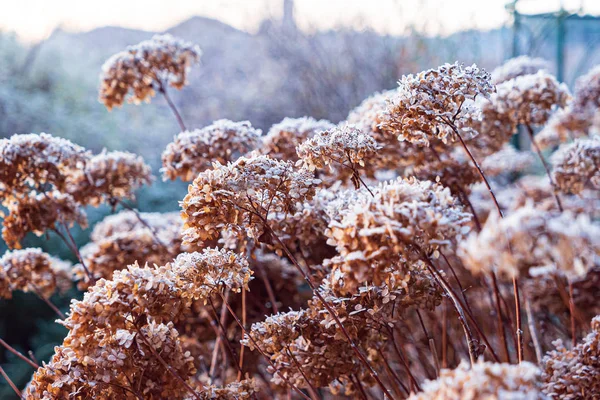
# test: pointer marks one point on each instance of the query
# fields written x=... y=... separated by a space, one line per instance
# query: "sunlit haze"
x=33 y=20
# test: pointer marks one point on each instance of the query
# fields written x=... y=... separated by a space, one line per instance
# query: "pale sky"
x=33 y=20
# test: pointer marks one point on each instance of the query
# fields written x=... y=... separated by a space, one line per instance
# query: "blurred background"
x=263 y=60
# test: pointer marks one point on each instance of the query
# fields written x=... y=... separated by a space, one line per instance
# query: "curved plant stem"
x=47 y=301
x=532 y=329
x=163 y=90
x=546 y=167
x=331 y=311
x=257 y=347
x=18 y=354
x=11 y=383
x=143 y=222
x=572 y=312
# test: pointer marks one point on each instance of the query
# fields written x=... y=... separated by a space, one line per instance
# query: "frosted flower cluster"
x=121 y=239
x=194 y=151
x=485 y=380
x=507 y=160
x=373 y=232
x=532 y=98
x=580 y=115
x=109 y=177
x=340 y=147
x=30 y=161
x=138 y=70
x=283 y=138
x=577 y=165
x=433 y=103
x=121 y=324
x=241 y=193
x=37 y=213
x=573 y=374
x=530 y=241
x=33 y=270
x=519 y=66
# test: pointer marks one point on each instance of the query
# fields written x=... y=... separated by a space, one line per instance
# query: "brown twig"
x=163 y=90
x=19 y=354
x=11 y=383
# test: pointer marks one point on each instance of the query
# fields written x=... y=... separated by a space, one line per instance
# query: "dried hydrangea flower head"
x=194 y=151
x=124 y=359
x=32 y=270
x=34 y=161
x=109 y=177
x=577 y=165
x=506 y=161
x=160 y=61
x=573 y=374
x=581 y=114
x=529 y=238
x=283 y=138
x=485 y=380
x=243 y=194
x=313 y=339
x=433 y=103
x=406 y=212
x=103 y=344
x=121 y=239
x=532 y=97
x=340 y=147
x=519 y=66
x=37 y=213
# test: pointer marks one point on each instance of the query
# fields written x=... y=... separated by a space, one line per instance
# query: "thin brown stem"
x=268 y=287
x=19 y=354
x=311 y=389
x=143 y=222
x=400 y=354
x=479 y=170
x=242 y=347
x=331 y=311
x=165 y=364
x=163 y=90
x=499 y=321
x=257 y=347
x=444 y=334
x=518 y=318
x=73 y=247
x=533 y=331
x=11 y=383
x=545 y=164
x=432 y=349
x=359 y=386
x=394 y=378
x=572 y=313
x=455 y=302
x=47 y=301
x=223 y=336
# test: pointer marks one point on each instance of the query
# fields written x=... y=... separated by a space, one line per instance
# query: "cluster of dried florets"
x=573 y=374
x=283 y=138
x=404 y=218
x=122 y=239
x=519 y=66
x=530 y=241
x=120 y=335
x=437 y=104
x=581 y=114
x=44 y=181
x=243 y=194
x=506 y=161
x=577 y=165
x=339 y=148
x=195 y=151
x=146 y=67
x=39 y=212
x=31 y=270
x=485 y=380
x=109 y=177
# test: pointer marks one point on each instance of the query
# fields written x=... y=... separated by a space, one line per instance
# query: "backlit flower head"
x=194 y=151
